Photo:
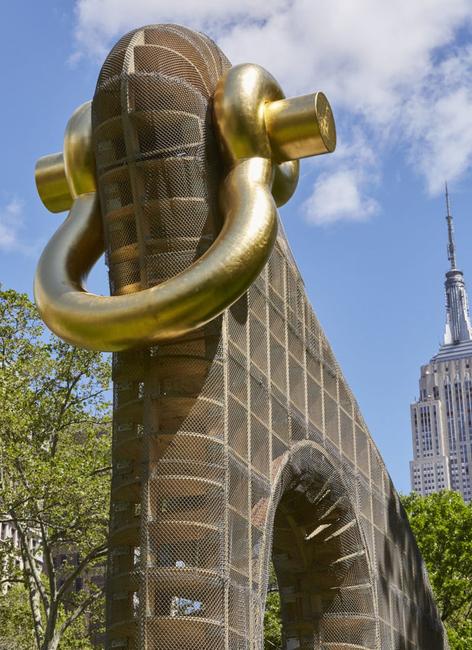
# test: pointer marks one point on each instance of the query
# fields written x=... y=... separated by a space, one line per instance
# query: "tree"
x=272 y=619
x=442 y=524
x=16 y=631
x=272 y=622
x=54 y=488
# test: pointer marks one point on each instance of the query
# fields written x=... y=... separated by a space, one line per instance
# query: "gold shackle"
x=262 y=135
x=298 y=127
x=62 y=177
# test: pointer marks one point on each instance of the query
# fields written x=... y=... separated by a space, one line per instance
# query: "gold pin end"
x=51 y=182
x=299 y=127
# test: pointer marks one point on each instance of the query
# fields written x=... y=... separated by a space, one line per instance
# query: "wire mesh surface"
x=242 y=442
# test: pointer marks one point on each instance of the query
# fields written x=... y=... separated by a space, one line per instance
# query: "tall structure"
x=236 y=440
x=441 y=419
x=10 y=549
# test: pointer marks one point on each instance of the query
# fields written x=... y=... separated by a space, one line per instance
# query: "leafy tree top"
x=55 y=462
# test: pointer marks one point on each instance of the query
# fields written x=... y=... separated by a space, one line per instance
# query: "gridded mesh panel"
x=157 y=162
x=241 y=442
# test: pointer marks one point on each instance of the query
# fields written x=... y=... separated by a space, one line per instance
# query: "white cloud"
x=100 y=21
x=339 y=197
x=395 y=69
x=438 y=119
x=341 y=192
x=11 y=221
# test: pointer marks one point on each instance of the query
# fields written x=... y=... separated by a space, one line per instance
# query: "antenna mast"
x=451 y=247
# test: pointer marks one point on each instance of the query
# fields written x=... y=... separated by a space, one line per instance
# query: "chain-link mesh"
x=242 y=442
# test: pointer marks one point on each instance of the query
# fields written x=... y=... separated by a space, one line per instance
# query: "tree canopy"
x=54 y=488
x=442 y=525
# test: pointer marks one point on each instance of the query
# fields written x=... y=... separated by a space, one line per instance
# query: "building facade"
x=11 y=555
x=441 y=419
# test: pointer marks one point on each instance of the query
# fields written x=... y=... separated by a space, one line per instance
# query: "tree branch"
x=63 y=407
x=45 y=546
x=11 y=581
x=30 y=562
x=97 y=552
x=33 y=591
x=101 y=470
x=80 y=609
x=48 y=560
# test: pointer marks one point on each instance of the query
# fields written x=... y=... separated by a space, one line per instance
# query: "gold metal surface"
x=285 y=181
x=300 y=127
x=79 y=161
x=51 y=183
x=243 y=132
x=62 y=177
x=254 y=140
x=174 y=307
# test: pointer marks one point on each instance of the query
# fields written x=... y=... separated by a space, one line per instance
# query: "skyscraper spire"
x=451 y=247
x=439 y=418
x=458 y=327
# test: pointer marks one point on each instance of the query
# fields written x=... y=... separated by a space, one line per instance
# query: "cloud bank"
x=401 y=72
x=11 y=222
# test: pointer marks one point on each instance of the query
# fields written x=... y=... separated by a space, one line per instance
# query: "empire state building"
x=441 y=420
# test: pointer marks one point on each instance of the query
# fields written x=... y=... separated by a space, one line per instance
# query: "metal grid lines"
x=241 y=443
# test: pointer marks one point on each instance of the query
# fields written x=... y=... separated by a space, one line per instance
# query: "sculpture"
x=235 y=438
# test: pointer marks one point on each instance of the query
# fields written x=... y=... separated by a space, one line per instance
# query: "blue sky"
x=367 y=224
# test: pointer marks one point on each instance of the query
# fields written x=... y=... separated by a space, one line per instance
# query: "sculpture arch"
x=241 y=436
x=322 y=560
x=263 y=418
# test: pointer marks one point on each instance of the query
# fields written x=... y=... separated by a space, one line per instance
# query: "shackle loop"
x=262 y=136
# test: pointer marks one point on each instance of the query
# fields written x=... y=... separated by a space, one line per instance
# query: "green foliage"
x=55 y=462
x=77 y=636
x=460 y=635
x=442 y=524
x=272 y=622
x=17 y=632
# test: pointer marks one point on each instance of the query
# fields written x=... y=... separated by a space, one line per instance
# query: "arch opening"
x=320 y=558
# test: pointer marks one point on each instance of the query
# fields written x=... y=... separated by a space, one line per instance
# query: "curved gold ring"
x=174 y=307
x=220 y=276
